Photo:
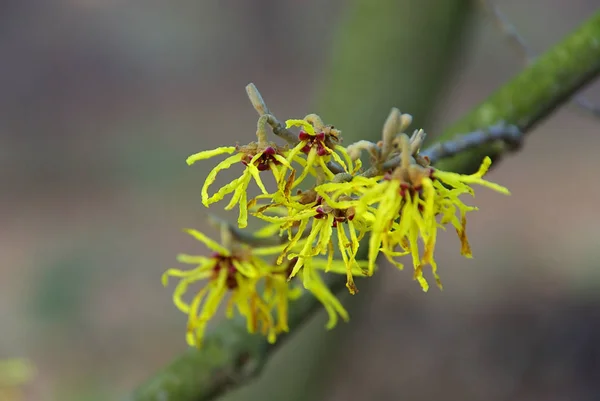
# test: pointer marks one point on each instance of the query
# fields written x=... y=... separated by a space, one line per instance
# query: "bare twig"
x=525 y=52
x=261 y=108
x=510 y=134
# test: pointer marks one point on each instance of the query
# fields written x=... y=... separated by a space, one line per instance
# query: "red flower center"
x=317 y=141
x=339 y=215
x=406 y=188
x=226 y=263
x=264 y=161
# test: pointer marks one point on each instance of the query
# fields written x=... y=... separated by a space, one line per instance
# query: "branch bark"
x=231 y=356
x=532 y=95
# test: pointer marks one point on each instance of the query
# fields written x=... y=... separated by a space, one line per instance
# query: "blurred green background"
x=102 y=101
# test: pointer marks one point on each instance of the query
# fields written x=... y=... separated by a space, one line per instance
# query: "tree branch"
x=525 y=52
x=509 y=134
x=230 y=356
x=532 y=95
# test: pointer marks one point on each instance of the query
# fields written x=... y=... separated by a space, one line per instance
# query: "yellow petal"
x=324 y=235
x=214 y=298
x=246 y=268
x=302 y=124
x=211 y=244
x=321 y=163
x=242 y=187
x=341 y=162
x=212 y=176
x=344 y=153
x=256 y=175
x=282 y=160
x=310 y=161
x=336 y=203
x=243 y=217
x=293 y=154
x=224 y=190
x=332 y=305
x=196 y=274
x=192 y=259
x=207 y=154
x=270 y=250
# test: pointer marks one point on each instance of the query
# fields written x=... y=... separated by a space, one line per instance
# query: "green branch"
x=230 y=356
x=532 y=95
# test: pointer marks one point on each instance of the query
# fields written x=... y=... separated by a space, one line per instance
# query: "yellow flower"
x=402 y=216
x=256 y=157
x=234 y=272
x=407 y=202
x=320 y=144
x=401 y=201
x=286 y=213
x=320 y=214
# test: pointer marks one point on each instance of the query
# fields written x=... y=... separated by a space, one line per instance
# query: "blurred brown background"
x=101 y=102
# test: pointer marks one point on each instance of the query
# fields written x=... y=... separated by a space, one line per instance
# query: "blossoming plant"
x=320 y=205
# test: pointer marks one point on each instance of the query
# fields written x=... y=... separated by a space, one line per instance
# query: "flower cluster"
x=320 y=205
x=258 y=290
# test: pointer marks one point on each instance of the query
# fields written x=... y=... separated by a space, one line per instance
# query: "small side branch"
x=509 y=134
x=261 y=108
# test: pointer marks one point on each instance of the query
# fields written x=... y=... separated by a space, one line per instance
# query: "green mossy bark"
x=531 y=95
